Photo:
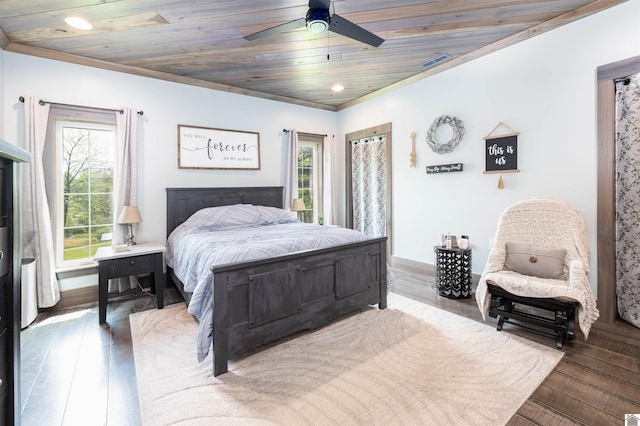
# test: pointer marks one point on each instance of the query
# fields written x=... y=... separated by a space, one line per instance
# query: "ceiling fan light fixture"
x=317 y=20
x=79 y=23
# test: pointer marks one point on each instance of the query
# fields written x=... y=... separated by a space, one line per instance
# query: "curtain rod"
x=366 y=139
x=303 y=133
x=41 y=102
x=624 y=80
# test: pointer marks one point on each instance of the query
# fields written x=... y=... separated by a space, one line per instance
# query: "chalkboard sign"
x=501 y=153
x=445 y=168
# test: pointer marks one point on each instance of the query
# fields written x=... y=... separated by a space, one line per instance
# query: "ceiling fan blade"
x=349 y=29
x=319 y=4
x=288 y=26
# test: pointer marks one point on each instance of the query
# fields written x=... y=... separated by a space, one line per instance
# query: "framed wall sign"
x=501 y=153
x=209 y=148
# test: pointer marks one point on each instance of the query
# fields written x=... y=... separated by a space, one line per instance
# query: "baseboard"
x=418 y=267
x=414 y=266
x=87 y=295
x=76 y=297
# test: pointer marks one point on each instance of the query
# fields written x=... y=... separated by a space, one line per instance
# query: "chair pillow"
x=535 y=261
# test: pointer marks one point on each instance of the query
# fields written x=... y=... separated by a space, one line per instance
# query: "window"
x=310 y=177
x=84 y=189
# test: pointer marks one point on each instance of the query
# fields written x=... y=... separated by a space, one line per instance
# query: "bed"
x=259 y=301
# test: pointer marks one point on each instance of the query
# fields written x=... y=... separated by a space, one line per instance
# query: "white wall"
x=544 y=88
x=165 y=105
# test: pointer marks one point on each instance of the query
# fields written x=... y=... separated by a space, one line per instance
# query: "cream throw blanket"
x=544 y=223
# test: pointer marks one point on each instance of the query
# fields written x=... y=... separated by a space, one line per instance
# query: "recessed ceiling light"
x=78 y=23
x=337 y=88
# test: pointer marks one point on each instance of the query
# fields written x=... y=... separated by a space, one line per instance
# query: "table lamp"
x=129 y=216
x=298 y=205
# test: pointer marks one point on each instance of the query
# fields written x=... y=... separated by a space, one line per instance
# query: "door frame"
x=606 y=192
x=381 y=129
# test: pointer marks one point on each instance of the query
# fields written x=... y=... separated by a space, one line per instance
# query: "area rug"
x=408 y=364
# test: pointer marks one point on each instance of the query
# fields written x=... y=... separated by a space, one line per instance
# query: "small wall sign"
x=444 y=168
x=501 y=153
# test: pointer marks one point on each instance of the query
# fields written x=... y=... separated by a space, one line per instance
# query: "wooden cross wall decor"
x=412 y=156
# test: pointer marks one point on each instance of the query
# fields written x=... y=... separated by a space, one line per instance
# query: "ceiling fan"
x=319 y=20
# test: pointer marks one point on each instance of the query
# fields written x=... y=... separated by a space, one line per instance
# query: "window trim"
x=57 y=203
x=317 y=143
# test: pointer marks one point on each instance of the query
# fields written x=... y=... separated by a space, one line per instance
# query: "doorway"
x=628 y=198
x=368 y=182
x=606 y=210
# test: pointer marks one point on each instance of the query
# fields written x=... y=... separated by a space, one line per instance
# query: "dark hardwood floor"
x=596 y=383
x=75 y=372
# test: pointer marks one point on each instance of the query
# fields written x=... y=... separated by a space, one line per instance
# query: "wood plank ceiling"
x=201 y=42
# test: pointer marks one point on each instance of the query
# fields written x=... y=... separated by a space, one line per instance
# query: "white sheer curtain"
x=125 y=181
x=328 y=182
x=369 y=176
x=291 y=169
x=36 y=231
x=628 y=199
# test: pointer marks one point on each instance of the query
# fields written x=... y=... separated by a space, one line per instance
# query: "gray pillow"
x=535 y=261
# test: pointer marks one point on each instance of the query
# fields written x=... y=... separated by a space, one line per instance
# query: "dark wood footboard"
x=259 y=302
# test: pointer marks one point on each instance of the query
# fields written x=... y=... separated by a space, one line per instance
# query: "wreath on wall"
x=458 y=132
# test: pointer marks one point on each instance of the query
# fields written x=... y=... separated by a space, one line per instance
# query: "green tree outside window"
x=87 y=182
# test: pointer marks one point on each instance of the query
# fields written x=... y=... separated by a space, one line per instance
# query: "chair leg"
x=508 y=307
x=561 y=328
x=494 y=305
x=559 y=339
x=571 y=324
x=500 y=323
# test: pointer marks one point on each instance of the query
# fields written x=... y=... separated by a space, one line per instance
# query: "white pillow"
x=237 y=215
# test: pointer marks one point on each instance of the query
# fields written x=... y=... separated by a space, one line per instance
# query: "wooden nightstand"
x=145 y=258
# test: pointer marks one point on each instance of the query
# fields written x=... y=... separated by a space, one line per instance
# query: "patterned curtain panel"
x=628 y=199
x=369 y=177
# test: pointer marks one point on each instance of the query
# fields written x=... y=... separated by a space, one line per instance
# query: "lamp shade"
x=298 y=205
x=130 y=214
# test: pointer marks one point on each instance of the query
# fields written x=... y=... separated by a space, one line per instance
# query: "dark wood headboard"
x=183 y=202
